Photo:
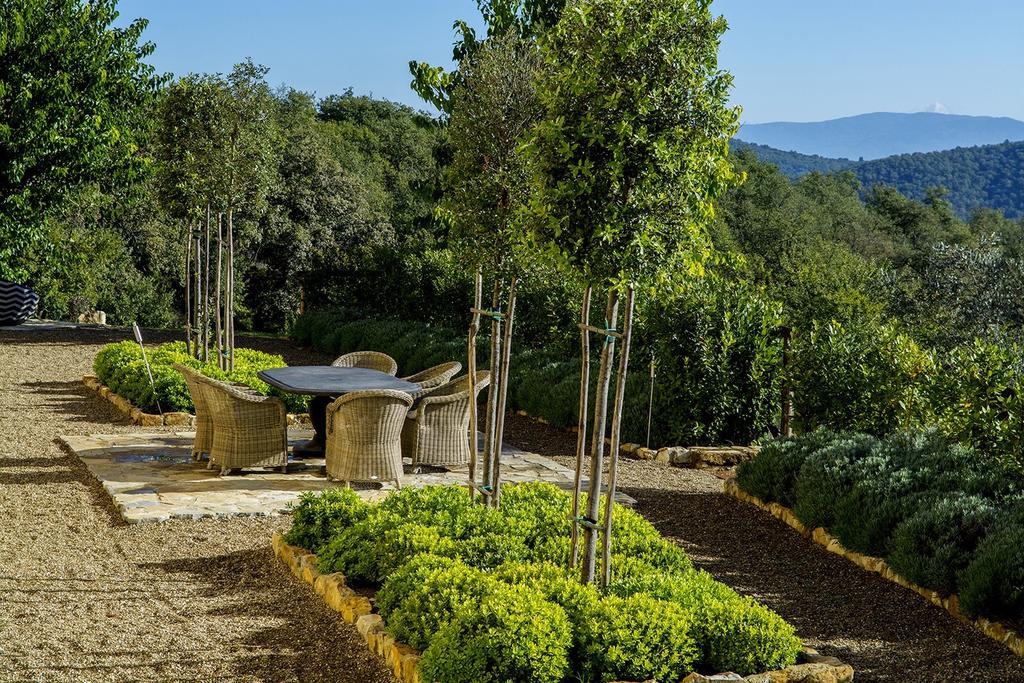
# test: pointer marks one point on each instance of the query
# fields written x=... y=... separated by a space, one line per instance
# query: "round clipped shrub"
x=113 y=356
x=317 y=517
x=636 y=638
x=513 y=634
x=993 y=583
x=422 y=597
x=731 y=632
x=539 y=510
x=938 y=541
x=555 y=583
x=771 y=476
x=827 y=475
x=373 y=548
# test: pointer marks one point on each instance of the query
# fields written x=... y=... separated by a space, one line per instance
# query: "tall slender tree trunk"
x=231 y=290
x=499 y=430
x=188 y=290
x=581 y=434
x=206 y=291
x=613 y=447
x=492 y=389
x=474 y=329
x=217 y=302
x=590 y=529
x=197 y=272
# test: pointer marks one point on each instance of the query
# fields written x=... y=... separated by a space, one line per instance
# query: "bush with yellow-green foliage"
x=486 y=594
x=120 y=367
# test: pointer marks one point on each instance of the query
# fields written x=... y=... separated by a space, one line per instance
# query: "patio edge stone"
x=995 y=630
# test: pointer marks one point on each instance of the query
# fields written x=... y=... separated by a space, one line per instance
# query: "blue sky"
x=793 y=60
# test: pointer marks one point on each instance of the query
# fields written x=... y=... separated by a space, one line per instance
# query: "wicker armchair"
x=437 y=432
x=364 y=436
x=249 y=429
x=434 y=377
x=204 y=420
x=372 y=360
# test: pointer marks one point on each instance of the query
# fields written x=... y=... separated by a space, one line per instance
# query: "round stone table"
x=326 y=383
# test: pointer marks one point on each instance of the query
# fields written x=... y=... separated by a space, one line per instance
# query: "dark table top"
x=325 y=380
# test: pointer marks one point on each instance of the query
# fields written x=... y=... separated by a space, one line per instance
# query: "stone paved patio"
x=151 y=477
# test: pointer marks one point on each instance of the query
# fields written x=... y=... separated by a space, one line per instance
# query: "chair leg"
x=398 y=484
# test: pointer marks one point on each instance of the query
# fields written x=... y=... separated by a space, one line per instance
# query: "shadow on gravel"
x=75 y=401
x=295 y=637
x=885 y=632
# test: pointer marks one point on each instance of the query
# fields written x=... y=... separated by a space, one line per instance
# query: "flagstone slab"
x=152 y=478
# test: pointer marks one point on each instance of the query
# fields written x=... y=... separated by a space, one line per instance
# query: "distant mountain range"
x=879 y=135
x=989 y=176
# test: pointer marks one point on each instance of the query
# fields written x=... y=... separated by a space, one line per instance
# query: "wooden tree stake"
x=613 y=452
x=492 y=389
x=474 y=329
x=581 y=434
x=590 y=528
x=499 y=432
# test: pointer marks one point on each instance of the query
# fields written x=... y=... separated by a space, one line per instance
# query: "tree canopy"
x=632 y=151
x=74 y=93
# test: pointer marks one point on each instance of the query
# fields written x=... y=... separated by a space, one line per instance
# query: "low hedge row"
x=485 y=594
x=942 y=516
x=120 y=367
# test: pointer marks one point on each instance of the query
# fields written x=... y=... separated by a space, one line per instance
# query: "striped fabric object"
x=17 y=303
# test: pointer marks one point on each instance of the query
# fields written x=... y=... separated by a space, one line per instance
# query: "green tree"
x=630 y=156
x=72 y=91
x=524 y=18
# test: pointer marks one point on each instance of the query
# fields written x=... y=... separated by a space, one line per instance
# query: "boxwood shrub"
x=943 y=515
x=486 y=595
x=120 y=367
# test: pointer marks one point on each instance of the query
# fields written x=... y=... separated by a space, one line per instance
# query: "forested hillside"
x=976 y=177
x=991 y=176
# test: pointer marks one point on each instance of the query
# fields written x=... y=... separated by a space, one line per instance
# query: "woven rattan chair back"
x=364 y=436
x=249 y=429
x=433 y=378
x=437 y=432
x=371 y=360
x=204 y=421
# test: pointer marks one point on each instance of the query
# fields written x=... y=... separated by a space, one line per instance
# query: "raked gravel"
x=84 y=597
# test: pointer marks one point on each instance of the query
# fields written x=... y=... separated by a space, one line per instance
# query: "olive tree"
x=630 y=156
x=487 y=188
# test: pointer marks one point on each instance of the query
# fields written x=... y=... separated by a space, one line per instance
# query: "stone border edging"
x=403 y=660
x=175 y=419
x=689 y=457
x=355 y=609
x=993 y=629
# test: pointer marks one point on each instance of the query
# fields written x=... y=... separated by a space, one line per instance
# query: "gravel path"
x=84 y=597
x=885 y=632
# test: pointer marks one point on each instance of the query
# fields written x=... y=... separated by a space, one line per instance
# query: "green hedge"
x=942 y=515
x=715 y=350
x=486 y=596
x=120 y=367
x=717 y=356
